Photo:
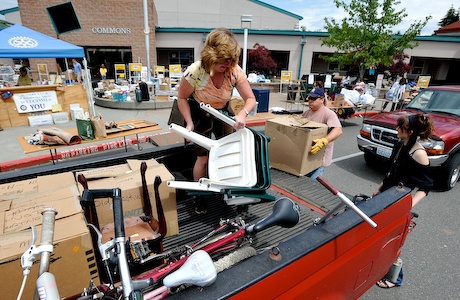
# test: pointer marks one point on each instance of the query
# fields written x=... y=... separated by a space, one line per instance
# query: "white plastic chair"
x=231 y=162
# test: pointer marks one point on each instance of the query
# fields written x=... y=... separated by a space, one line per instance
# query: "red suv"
x=378 y=133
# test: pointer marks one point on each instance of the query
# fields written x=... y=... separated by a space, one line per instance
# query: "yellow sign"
x=119 y=67
x=159 y=69
x=423 y=81
x=286 y=76
x=174 y=68
x=135 y=67
x=42 y=69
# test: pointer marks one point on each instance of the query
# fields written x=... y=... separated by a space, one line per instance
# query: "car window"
x=437 y=101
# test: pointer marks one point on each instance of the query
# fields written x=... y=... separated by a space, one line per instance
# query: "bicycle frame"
x=46 y=284
x=285 y=213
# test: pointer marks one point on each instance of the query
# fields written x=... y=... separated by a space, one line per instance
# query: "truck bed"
x=339 y=259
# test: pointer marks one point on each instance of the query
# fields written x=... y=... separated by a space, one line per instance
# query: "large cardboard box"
x=128 y=178
x=72 y=261
x=291 y=138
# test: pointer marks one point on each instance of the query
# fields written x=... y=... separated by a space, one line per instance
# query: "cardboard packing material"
x=162 y=97
x=339 y=100
x=291 y=138
x=72 y=261
x=236 y=104
x=130 y=184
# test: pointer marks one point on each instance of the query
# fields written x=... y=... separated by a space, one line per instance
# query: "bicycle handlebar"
x=347 y=201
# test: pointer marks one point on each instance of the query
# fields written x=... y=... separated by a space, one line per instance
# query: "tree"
x=399 y=66
x=259 y=60
x=451 y=17
x=365 y=38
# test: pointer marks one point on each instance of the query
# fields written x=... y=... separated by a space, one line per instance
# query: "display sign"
x=423 y=81
x=42 y=71
x=135 y=67
x=378 y=83
x=328 y=82
x=159 y=69
x=175 y=70
x=286 y=76
x=120 y=71
x=35 y=101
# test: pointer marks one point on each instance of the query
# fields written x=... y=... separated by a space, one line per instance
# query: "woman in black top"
x=409 y=165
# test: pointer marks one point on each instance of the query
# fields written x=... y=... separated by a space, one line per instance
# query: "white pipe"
x=245 y=49
x=147 y=40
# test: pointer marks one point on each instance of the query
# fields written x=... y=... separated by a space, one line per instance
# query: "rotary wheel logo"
x=23 y=42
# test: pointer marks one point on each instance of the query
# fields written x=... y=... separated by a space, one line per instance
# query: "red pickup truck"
x=339 y=258
x=378 y=133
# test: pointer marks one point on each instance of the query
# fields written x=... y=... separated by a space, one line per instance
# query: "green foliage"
x=451 y=17
x=365 y=37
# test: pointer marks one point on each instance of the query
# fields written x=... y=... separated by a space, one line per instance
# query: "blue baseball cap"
x=316 y=92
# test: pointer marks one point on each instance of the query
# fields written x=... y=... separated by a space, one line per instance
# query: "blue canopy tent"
x=18 y=41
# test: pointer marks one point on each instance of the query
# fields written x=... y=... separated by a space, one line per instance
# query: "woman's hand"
x=190 y=127
x=240 y=120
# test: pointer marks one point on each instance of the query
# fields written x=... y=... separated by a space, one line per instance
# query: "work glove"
x=318 y=145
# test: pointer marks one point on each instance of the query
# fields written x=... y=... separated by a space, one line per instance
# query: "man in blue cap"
x=318 y=112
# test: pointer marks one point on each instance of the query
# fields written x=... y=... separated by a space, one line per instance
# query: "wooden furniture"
x=66 y=95
x=125 y=128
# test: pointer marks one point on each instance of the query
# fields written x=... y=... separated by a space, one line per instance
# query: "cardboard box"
x=339 y=100
x=162 y=97
x=290 y=144
x=40 y=120
x=72 y=261
x=130 y=183
x=74 y=110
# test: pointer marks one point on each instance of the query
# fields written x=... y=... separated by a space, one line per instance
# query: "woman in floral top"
x=211 y=80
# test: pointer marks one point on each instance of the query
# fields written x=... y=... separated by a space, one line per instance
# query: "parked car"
x=378 y=134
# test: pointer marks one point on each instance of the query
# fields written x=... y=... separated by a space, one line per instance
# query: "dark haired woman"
x=409 y=167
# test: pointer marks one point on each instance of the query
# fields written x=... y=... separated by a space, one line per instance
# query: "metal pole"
x=245 y=49
x=147 y=41
x=300 y=63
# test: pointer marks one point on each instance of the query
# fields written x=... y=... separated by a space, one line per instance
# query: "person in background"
x=409 y=167
x=23 y=78
x=395 y=94
x=211 y=80
x=103 y=72
x=360 y=86
x=318 y=112
x=77 y=69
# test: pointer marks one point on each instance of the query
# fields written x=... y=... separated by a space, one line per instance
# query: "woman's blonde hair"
x=220 y=46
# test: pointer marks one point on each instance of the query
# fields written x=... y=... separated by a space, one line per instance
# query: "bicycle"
x=46 y=288
x=228 y=236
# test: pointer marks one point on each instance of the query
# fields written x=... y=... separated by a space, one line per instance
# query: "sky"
x=5 y=4
x=314 y=12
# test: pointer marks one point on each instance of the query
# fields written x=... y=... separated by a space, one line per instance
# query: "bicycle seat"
x=198 y=270
x=286 y=213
